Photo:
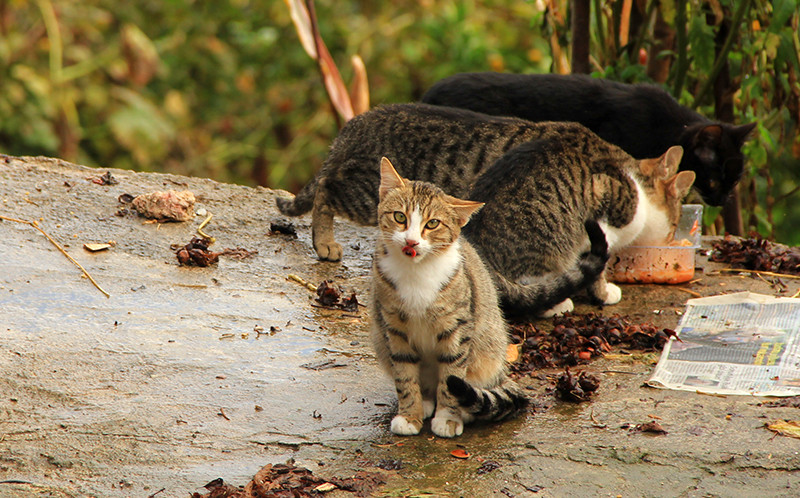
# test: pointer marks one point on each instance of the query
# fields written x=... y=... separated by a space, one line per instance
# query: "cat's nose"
x=411 y=243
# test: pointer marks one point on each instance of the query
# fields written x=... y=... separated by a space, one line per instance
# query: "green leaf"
x=667 y=8
x=701 y=41
x=782 y=10
x=771 y=45
x=140 y=127
x=756 y=155
x=710 y=214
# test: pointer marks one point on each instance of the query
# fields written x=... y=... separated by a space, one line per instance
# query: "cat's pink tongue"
x=409 y=251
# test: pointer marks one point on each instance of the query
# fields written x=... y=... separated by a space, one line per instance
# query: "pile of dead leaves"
x=289 y=481
x=329 y=295
x=576 y=339
x=756 y=253
x=197 y=253
x=576 y=387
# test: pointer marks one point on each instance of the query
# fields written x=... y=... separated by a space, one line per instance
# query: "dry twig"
x=307 y=285
x=689 y=291
x=758 y=272
x=35 y=224
x=203 y=225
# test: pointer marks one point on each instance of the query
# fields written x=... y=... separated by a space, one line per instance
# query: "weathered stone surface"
x=157 y=386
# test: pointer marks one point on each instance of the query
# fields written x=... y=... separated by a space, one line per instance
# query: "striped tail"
x=553 y=288
x=504 y=401
x=302 y=202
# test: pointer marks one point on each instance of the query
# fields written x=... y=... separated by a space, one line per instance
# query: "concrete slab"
x=168 y=384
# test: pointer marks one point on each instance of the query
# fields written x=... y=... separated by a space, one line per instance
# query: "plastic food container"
x=661 y=264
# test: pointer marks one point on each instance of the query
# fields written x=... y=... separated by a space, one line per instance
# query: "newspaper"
x=743 y=343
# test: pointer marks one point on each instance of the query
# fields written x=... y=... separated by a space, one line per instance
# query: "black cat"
x=643 y=120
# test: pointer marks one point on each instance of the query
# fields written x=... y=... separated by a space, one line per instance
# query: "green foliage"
x=768 y=66
x=701 y=41
x=225 y=90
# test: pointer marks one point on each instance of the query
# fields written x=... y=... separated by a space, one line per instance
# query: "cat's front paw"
x=613 y=294
x=405 y=427
x=564 y=306
x=447 y=426
x=328 y=251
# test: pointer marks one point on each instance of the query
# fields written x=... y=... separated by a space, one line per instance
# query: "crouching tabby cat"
x=539 y=194
x=436 y=325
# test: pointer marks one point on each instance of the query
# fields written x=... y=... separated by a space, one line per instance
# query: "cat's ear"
x=742 y=132
x=464 y=209
x=664 y=166
x=389 y=178
x=672 y=159
x=679 y=185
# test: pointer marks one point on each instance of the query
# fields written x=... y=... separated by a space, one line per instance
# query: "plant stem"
x=743 y=6
x=54 y=37
x=681 y=65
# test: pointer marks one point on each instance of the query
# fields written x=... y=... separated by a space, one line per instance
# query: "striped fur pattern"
x=642 y=119
x=435 y=313
x=444 y=146
x=532 y=232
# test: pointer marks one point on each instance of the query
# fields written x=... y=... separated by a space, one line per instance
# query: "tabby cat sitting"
x=437 y=328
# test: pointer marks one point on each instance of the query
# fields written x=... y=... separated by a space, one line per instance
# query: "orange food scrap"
x=512 y=352
x=681 y=243
x=462 y=454
x=695 y=226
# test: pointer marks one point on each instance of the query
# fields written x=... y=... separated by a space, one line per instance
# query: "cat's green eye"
x=399 y=217
x=431 y=224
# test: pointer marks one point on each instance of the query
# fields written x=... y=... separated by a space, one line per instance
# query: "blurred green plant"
x=225 y=89
x=732 y=60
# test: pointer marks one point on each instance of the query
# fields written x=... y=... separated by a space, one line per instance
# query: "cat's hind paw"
x=613 y=294
x=447 y=426
x=564 y=306
x=405 y=427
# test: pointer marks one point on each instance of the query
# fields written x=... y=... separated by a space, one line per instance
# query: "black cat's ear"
x=742 y=132
x=389 y=178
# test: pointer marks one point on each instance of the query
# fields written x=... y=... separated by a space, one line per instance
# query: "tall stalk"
x=744 y=6
x=682 y=63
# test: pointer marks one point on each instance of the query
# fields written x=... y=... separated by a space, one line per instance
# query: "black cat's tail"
x=302 y=202
x=504 y=401
x=536 y=297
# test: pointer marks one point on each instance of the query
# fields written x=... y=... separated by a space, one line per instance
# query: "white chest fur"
x=418 y=282
x=648 y=220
